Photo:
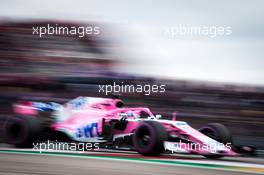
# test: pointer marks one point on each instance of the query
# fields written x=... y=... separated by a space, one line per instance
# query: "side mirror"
x=174 y=116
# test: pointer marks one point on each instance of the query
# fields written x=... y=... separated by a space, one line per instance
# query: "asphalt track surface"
x=20 y=162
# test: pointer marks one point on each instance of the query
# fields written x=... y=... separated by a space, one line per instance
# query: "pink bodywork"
x=25 y=108
x=97 y=111
x=87 y=110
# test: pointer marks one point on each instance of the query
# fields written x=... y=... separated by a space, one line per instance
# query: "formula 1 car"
x=108 y=122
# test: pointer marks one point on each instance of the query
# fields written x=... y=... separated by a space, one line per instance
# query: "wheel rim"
x=144 y=137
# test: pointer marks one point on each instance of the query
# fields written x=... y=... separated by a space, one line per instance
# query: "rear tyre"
x=21 y=131
x=149 y=138
x=217 y=132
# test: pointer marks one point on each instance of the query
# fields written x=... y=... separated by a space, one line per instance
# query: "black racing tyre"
x=218 y=132
x=149 y=138
x=21 y=131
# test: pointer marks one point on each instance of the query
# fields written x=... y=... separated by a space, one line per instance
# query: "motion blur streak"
x=77 y=165
x=201 y=79
x=58 y=68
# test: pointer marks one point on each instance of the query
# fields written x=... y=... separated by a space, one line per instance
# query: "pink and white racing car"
x=108 y=122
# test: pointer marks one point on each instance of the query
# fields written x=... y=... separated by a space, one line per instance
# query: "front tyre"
x=149 y=138
x=217 y=132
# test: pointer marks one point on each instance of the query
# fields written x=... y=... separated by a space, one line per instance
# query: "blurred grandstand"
x=58 y=68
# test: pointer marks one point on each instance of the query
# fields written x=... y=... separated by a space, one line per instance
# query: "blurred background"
x=208 y=79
